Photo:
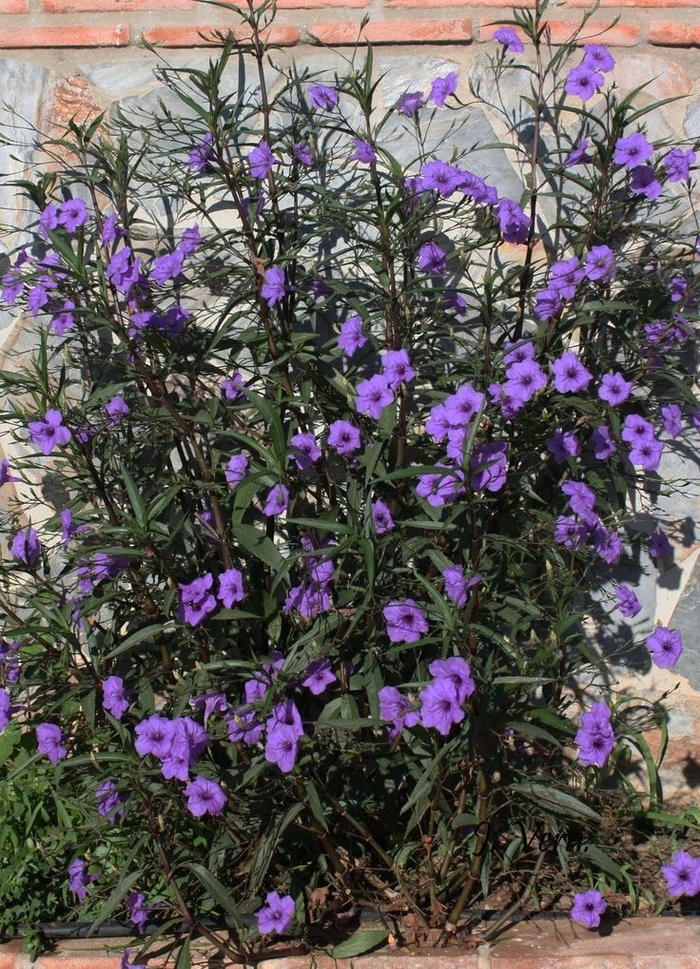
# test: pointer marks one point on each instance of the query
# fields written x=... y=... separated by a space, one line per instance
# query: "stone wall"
x=61 y=59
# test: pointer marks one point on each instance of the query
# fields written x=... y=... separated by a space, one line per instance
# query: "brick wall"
x=36 y=24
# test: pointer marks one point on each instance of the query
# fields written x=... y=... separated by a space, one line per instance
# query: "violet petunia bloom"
x=396 y=367
x=405 y=621
x=524 y=380
x=26 y=546
x=115 y=699
x=608 y=544
x=564 y=276
x=204 y=797
x=126 y=964
x=167 y=267
x=600 y=264
x=456 y=670
x=72 y=213
x=78 y=880
x=598 y=57
x=201 y=155
x=318 y=675
x=570 y=375
x=261 y=160
x=489 y=464
x=647 y=453
x=595 y=737
x=231 y=587
x=49 y=433
x=457 y=585
x=277 y=500
x=282 y=747
x=236 y=469
x=302 y=153
x=351 y=336
x=583 y=81
x=49 y=741
x=305 y=450
x=678 y=164
x=632 y=151
x=614 y=389
x=578 y=155
x=548 y=302
x=276 y=915
x=562 y=445
x=440 y=705
x=602 y=444
x=588 y=908
x=442 y=88
x=5 y=708
x=396 y=708
x=63 y=320
x=432 y=259
x=665 y=646
x=673 y=424
x=373 y=396
x=410 y=103
x=116 y=409
x=644 y=182
x=570 y=533
x=364 y=152
x=440 y=177
x=154 y=735
x=659 y=546
x=323 y=97
x=513 y=222
x=509 y=39
x=196 y=600
x=627 y=602
x=382 y=518
x=109 y=801
x=274 y=287
x=344 y=437
x=682 y=875
x=137 y=910
x=441 y=487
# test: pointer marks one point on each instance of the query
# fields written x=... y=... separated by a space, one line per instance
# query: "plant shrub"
x=324 y=466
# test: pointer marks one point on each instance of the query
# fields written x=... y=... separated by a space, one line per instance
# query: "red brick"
x=595 y=32
x=194 y=36
x=665 y=33
x=113 y=6
x=14 y=6
x=69 y=35
x=319 y=4
x=394 y=32
x=459 y=3
x=635 y=3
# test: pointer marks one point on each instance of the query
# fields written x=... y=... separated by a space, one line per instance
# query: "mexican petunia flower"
x=50 y=742
x=351 y=336
x=78 y=880
x=231 y=588
x=682 y=875
x=109 y=801
x=397 y=709
x=442 y=88
x=396 y=368
x=200 y=156
x=509 y=39
x=678 y=163
x=137 y=909
x=5 y=708
x=236 y=469
x=405 y=621
x=588 y=908
x=595 y=737
x=318 y=675
x=72 y=213
x=261 y=160
x=323 y=97
x=432 y=259
x=513 y=222
x=627 y=602
x=382 y=518
x=665 y=646
x=282 y=747
x=344 y=437
x=26 y=546
x=277 y=500
x=196 y=600
x=583 y=81
x=204 y=797
x=632 y=151
x=488 y=467
x=440 y=706
x=410 y=103
x=570 y=375
x=614 y=389
x=643 y=181
x=276 y=915
x=373 y=396
x=274 y=287
x=49 y=433
x=364 y=152
x=598 y=57
x=154 y=735
x=115 y=698
x=305 y=450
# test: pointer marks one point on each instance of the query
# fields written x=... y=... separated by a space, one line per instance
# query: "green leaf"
x=553 y=799
x=183 y=957
x=359 y=943
x=135 y=499
x=217 y=891
x=122 y=888
x=148 y=632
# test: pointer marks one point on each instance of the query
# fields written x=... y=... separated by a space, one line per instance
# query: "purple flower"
x=678 y=164
x=351 y=336
x=647 y=453
x=231 y=587
x=636 y=429
x=277 y=500
x=565 y=276
x=488 y=467
x=63 y=320
x=614 y=389
x=49 y=433
x=672 y=414
x=600 y=263
x=578 y=155
x=627 y=602
x=524 y=380
x=78 y=880
x=302 y=153
x=305 y=450
x=440 y=705
x=373 y=396
x=583 y=81
x=438 y=488
x=196 y=601
x=510 y=40
x=318 y=675
x=645 y=182
x=233 y=387
x=442 y=88
x=381 y=516
x=456 y=587
x=513 y=222
x=167 y=267
x=682 y=875
x=608 y=544
x=410 y=103
x=665 y=646
x=191 y=240
x=548 y=302
x=154 y=735
x=123 y=271
x=211 y=703
x=632 y=151
x=602 y=444
x=125 y=964
x=282 y=747
x=396 y=708
x=274 y=287
x=456 y=670
x=396 y=368
x=49 y=741
x=5 y=708
x=114 y=697
x=204 y=797
x=72 y=213
x=26 y=546
x=236 y=469
x=405 y=621
x=364 y=152
x=200 y=156
x=344 y=437
x=659 y=546
x=581 y=498
x=261 y=160
x=570 y=375
x=137 y=911
x=276 y=915
x=117 y=409
x=598 y=57
x=570 y=533
x=109 y=801
x=323 y=97
x=110 y=229
x=432 y=259
x=440 y=177
x=562 y=445
x=588 y=908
